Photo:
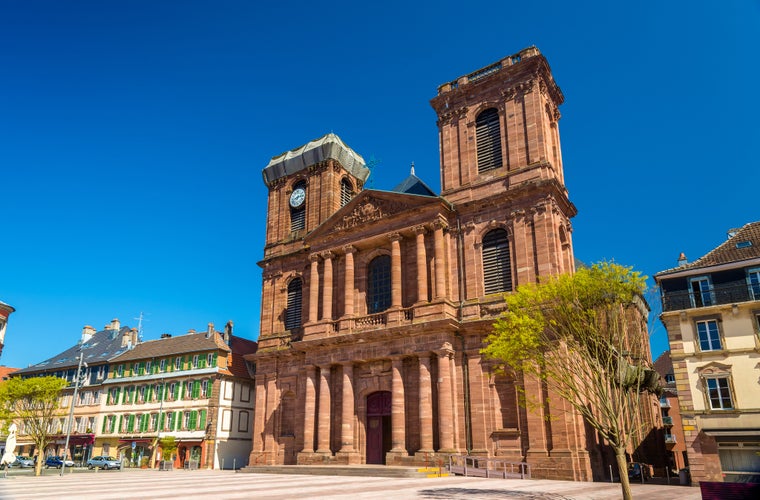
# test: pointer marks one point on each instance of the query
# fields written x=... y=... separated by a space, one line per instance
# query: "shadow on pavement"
x=477 y=493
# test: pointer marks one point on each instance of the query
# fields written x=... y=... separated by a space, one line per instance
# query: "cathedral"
x=375 y=304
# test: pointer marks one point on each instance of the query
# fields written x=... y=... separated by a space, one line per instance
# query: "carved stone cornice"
x=349 y=249
x=395 y=237
x=314 y=257
x=419 y=229
x=327 y=255
x=369 y=210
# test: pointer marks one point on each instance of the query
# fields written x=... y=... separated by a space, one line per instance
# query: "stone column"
x=327 y=288
x=445 y=403
x=310 y=408
x=348 y=300
x=422 y=292
x=395 y=270
x=314 y=289
x=347 y=425
x=426 y=406
x=440 y=261
x=259 y=414
x=398 y=416
x=323 y=424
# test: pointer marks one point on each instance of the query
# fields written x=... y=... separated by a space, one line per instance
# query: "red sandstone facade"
x=340 y=380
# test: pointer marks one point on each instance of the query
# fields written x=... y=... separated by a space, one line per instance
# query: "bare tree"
x=585 y=336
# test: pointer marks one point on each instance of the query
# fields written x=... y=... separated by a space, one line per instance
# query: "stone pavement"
x=130 y=484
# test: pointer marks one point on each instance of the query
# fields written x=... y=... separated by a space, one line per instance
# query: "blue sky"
x=133 y=135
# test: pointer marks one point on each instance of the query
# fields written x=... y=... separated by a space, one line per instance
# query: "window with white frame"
x=719 y=393
x=162 y=365
x=153 y=421
x=142 y=394
x=210 y=359
x=753 y=280
x=204 y=388
x=148 y=365
x=178 y=363
x=701 y=292
x=187 y=420
x=195 y=361
x=709 y=335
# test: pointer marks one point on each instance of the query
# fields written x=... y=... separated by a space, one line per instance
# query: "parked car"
x=23 y=462
x=19 y=462
x=635 y=469
x=104 y=462
x=57 y=462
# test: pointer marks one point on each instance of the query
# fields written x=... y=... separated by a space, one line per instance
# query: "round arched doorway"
x=378 y=426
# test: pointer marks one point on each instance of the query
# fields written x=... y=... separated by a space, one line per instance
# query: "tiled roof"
x=101 y=347
x=744 y=245
x=241 y=347
x=5 y=371
x=191 y=342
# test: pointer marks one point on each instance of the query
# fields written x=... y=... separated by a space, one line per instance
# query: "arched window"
x=497 y=265
x=379 y=284
x=293 y=311
x=346 y=192
x=488 y=134
x=298 y=207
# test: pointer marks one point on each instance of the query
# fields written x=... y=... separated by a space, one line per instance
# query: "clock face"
x=297 y=197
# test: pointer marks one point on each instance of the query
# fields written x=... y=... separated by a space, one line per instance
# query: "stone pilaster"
x=395 y=270
x=314 y=289
x=440 y=261
x=323 y=423
x=398 y=414
x=426 y=405
x=327 y=288
x=422 y=286
x=348 y=299
x=445 y=402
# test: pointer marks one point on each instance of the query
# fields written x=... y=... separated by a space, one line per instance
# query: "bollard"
x=234 y=460
x=222 y=463
x=611 y=478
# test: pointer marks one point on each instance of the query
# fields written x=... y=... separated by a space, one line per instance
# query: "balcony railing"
x=717 y=295
x=670 y=439
x=667 y=421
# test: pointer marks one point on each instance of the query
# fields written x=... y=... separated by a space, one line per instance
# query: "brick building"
x=375 y=303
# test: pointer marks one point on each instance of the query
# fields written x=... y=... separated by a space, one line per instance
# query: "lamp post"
x=71 y=410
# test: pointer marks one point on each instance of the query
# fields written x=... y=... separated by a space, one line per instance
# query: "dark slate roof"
x=101 y=347
x=191 y=342
x=744 y=245
x=414 y=185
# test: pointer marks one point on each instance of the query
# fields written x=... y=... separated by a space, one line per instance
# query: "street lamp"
x=71 y=410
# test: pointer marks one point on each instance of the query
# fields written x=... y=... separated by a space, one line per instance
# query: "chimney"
x=133 y=335
x=191 y=331
x=114 y=325
x=210 y=330
x=126 y=339
x=166 y=335
x=87 y=333
x=228 y=331
x=682 y=260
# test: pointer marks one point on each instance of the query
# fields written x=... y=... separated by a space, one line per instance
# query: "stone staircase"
x=348 y=470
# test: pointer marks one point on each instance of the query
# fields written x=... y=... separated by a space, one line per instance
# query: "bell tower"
x=501 y=165
x=306 y=186
x=498 y=122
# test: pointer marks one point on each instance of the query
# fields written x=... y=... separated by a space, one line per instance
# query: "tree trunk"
x=622 y=464
x=38 y=465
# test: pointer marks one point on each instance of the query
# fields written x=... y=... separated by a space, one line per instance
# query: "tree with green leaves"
x=33 y=403
x=585 y=336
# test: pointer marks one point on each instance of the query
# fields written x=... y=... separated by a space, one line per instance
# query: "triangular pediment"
x=371 y=206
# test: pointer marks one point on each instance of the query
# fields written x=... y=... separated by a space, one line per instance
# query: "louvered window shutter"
x=497 y=266
x=488 y=133
x=202 y=424
x=293 y=311
x=345 y=192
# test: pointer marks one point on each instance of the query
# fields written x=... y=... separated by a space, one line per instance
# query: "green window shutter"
x=182 y=393
x=120 y=419
x=149 y=396
x=131 y=423
x=118 y=395
x=213 y=360
x=196 y=389
x=161 y=420
x=179 y=420
x=103 y=430
x=209 y=388
x=193 y=419
x=145 y=421
x=202 y=424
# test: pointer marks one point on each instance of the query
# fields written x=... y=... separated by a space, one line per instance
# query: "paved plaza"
x=130 y=484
